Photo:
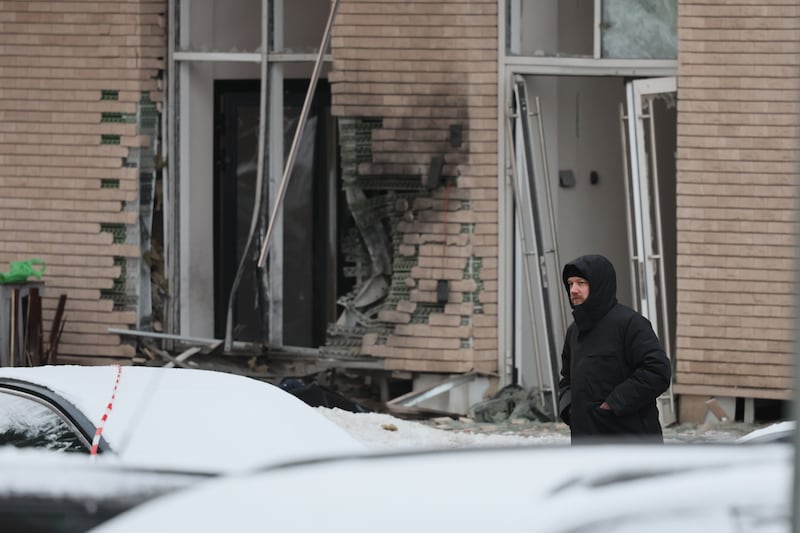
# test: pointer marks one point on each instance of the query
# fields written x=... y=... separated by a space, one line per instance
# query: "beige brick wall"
x=738 y=118
x=422 y=67
x=56 y=59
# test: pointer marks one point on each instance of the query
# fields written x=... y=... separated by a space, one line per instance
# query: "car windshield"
x=26 y=422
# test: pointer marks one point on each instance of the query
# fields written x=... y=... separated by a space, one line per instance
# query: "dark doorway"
x=310 y=241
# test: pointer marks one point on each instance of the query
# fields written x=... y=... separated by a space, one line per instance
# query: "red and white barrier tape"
x=99 y=432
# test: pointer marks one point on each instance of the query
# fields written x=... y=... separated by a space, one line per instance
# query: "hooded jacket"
x=611 y=354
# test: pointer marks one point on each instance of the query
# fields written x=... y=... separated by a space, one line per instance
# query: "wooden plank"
x=183 y=356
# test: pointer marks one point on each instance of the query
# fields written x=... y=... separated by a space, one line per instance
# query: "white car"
x=172 y=418
x=724 y=488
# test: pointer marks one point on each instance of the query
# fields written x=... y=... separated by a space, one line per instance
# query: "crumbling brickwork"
x=427 y=71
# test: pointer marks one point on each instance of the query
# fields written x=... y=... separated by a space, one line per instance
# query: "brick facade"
x=76 y=78
x=420 y=79
x=738 y=118
x=427 y=71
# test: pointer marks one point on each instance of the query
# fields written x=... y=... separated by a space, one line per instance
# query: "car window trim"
x=66 y=410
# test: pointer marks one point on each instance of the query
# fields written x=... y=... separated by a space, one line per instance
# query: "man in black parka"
x=613 y=365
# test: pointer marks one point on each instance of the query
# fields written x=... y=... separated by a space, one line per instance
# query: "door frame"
x=511 y=66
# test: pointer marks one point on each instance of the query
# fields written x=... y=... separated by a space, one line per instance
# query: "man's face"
x=578 y=289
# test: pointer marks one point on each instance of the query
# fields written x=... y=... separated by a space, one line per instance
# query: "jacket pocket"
x=606 y=422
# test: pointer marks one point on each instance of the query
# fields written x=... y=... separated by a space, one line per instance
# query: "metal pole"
x=174 y=337
x=170 y=188
x=301 y=124
x=262 y=118
x=795 y=410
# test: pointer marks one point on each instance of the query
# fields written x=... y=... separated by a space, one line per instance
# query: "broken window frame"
x=179 y=57
x=509 y=66
x=604 y=37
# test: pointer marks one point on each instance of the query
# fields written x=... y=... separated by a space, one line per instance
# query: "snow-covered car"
x=723 y=488
x=778 y=432
x=41 y=491
x=174 y=418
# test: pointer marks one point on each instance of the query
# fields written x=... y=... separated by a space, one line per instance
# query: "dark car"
x=49 y=492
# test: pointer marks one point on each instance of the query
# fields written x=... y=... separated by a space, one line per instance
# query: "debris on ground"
x=511 y=402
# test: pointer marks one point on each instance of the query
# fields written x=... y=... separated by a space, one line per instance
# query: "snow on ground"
x=385 y=432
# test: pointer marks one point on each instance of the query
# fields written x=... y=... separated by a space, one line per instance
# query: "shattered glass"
x=640 y=29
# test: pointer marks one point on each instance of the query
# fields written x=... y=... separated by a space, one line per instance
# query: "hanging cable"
x=262 y=118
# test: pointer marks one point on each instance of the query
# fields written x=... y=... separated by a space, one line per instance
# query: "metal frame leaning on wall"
x=508 y=67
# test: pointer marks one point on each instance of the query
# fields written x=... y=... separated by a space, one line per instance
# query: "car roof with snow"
x=191 y=419
x=611 y=487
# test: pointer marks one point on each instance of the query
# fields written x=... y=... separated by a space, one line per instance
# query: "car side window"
x=26 y=421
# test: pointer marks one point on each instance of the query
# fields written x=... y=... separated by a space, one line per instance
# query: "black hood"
x=602 y=278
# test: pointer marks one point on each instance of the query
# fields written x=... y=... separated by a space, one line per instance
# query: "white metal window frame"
x=641 y=249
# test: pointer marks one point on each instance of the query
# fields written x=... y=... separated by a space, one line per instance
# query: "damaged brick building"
x=454 y=154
